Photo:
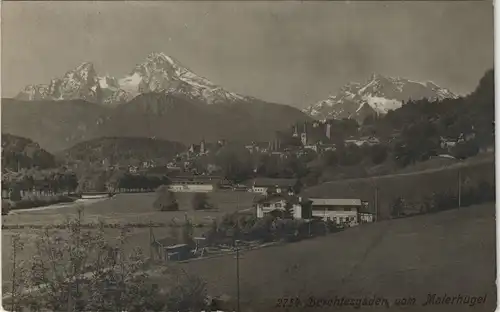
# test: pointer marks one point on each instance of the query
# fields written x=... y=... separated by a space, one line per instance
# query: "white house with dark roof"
x=277 y=204
x=350 y=212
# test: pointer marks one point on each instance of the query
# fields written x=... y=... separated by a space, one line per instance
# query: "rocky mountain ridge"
x=376 y=96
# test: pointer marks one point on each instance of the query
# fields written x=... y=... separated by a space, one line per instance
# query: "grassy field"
x=412 y=186
x=122 y=208
x=451 y=252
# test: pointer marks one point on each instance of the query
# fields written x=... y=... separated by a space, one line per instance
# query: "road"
x=78 y=202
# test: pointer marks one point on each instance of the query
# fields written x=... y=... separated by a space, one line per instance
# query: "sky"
x=291 y=52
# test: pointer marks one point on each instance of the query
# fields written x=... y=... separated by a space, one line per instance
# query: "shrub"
x=397 y=207
x=6 y=206
x=200 y=202
x=165 y=200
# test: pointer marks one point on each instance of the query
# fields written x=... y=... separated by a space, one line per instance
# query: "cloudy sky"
x=288 y=52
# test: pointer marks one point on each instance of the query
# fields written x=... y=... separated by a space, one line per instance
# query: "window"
x=278 y=205
x=347 y=208
x=267 y=205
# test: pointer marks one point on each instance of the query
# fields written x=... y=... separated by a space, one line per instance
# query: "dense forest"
x=121 y=151
x=22 y=153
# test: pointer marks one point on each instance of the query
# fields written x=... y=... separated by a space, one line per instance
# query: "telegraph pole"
x=376 y=203
x=459 y=187
x=238 y=276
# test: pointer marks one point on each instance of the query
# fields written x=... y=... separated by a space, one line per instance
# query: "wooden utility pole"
x=459 y=187
x=14 y=252
x=376 y=203
x=238 y=277
x=151 y=240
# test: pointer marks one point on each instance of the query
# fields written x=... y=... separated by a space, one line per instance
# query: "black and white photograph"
x=248 y=156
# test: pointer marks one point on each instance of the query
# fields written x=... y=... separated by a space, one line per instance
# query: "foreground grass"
x=449 y=252
x=122 y=209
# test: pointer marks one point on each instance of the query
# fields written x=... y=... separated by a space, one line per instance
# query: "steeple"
x=295 y=131
x=202 y=146
x=303 y=136
x=328 y=131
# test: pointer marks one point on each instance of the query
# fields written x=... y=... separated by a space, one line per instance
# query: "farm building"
x=341 y=211
x=278 y=203
x=195 y=183
x=263 y=185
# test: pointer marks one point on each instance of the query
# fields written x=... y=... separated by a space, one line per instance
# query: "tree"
x=288 y=212
x=200 y=202
x=378 y=154
x=212 y=233
x=465 y=149
x=187 y=232
x=235 y=162
x=397 y=207
x=84 y=272
x=330 y=158
x=165 y=200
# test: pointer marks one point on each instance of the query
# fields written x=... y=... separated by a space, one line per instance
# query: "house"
x=447 y=143
x=277 y=205
x=262 y=185
x=350 y=212
x=314 y=147
x=363 y=141
x=195 y=183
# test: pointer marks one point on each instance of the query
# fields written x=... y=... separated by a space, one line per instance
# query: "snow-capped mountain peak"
x=158 y=73
x=380 y=93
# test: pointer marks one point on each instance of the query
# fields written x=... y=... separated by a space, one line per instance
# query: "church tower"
x=303 y=135
x=329 y=131
x=202 y=146
x=295 y=132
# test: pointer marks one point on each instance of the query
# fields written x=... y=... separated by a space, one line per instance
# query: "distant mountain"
x=122 y=151
x=377 y=96
x=58 y=125
x=21 y=153
x=159 y=98
x=159 y=73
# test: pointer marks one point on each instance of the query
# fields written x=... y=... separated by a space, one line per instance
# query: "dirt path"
x=84 y=202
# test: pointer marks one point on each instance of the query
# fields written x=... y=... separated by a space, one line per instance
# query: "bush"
x=6 y=206
x=397 y=207
x=200 y=202
x=165 y=200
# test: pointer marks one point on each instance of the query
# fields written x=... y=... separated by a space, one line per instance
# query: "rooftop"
x=335 y=202
x=281 y=196
x=274 y=182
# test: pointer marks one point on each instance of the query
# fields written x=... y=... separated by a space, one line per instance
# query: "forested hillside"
x=21 y=153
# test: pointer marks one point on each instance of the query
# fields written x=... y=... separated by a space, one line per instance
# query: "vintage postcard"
x=248 y=156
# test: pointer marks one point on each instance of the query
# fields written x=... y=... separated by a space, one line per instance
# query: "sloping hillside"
x=55 y=125
x=451 y=252
x=58 y=125
x=20 y=153
x=412 y=186
x=122 y=151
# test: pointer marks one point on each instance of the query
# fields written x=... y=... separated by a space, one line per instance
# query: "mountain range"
x=161 y=98
x=159 y=73
x=376 y=96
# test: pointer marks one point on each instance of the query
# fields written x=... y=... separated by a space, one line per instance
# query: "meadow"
x=450 y=252
x=122 y=209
